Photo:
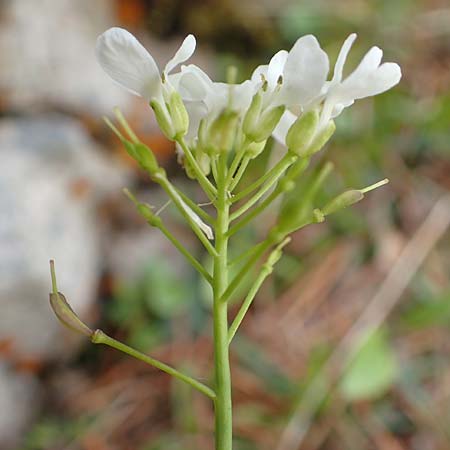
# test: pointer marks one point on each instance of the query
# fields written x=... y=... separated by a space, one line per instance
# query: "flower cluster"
x=188 y=103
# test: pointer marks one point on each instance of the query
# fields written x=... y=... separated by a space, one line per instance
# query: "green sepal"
x=163 y=118
x=301 y=133
x=320 y=139
x=179 y=115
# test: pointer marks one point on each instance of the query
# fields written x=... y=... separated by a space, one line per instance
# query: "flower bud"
x=179 y=115
x=343 y=200
x=302 y=132
x=163 y=119
x=222 y=132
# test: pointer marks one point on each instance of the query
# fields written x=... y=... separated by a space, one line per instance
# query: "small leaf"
x=372 y=370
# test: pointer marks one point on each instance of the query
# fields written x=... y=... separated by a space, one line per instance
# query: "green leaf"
x=372 y=371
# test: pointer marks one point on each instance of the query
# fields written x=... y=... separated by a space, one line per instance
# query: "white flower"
x=368 y=79
x=294 y=78
x=129 y=64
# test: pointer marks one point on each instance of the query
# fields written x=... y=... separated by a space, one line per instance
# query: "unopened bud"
x=63 y=310
x=163 y=118
x=301 y=133
x=179 y=115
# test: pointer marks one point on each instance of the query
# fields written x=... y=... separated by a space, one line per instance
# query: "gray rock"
x=42 y=218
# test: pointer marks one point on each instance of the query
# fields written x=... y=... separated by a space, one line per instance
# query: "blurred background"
x=382 y=265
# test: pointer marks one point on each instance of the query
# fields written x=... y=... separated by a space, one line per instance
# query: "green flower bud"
x=179 y=115
x=163 y=119
x=321 y=139
x=301 y=133
x=343 y=200
x=222 y=132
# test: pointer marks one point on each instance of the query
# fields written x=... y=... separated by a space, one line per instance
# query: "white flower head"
x=129 y=64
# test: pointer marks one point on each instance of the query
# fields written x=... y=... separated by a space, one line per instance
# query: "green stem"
x=234 y=165
x=242 y=168
x=207 y=186
x=287 y=160
x=246 y=304
x=101 y=338
x=223 y=403
x=266 y=270
x=255 y=212
x=197 y=209
x=177 y=244
x=162 y=180
x=245 y=270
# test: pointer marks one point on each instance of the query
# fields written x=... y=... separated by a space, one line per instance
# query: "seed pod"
x=63 y=310
x=343 y=200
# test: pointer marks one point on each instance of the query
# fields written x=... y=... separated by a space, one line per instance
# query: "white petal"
x=281 y=130
x=305 y=71
x=370 y=83
x=276 y=67
x=185 y=51
x=242 y=95
x=259 y=73
x=128 y=63
x=342 y=57
x=369 y=63
x=194 y=84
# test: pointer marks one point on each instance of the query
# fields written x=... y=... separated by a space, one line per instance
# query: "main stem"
x=223 y=404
